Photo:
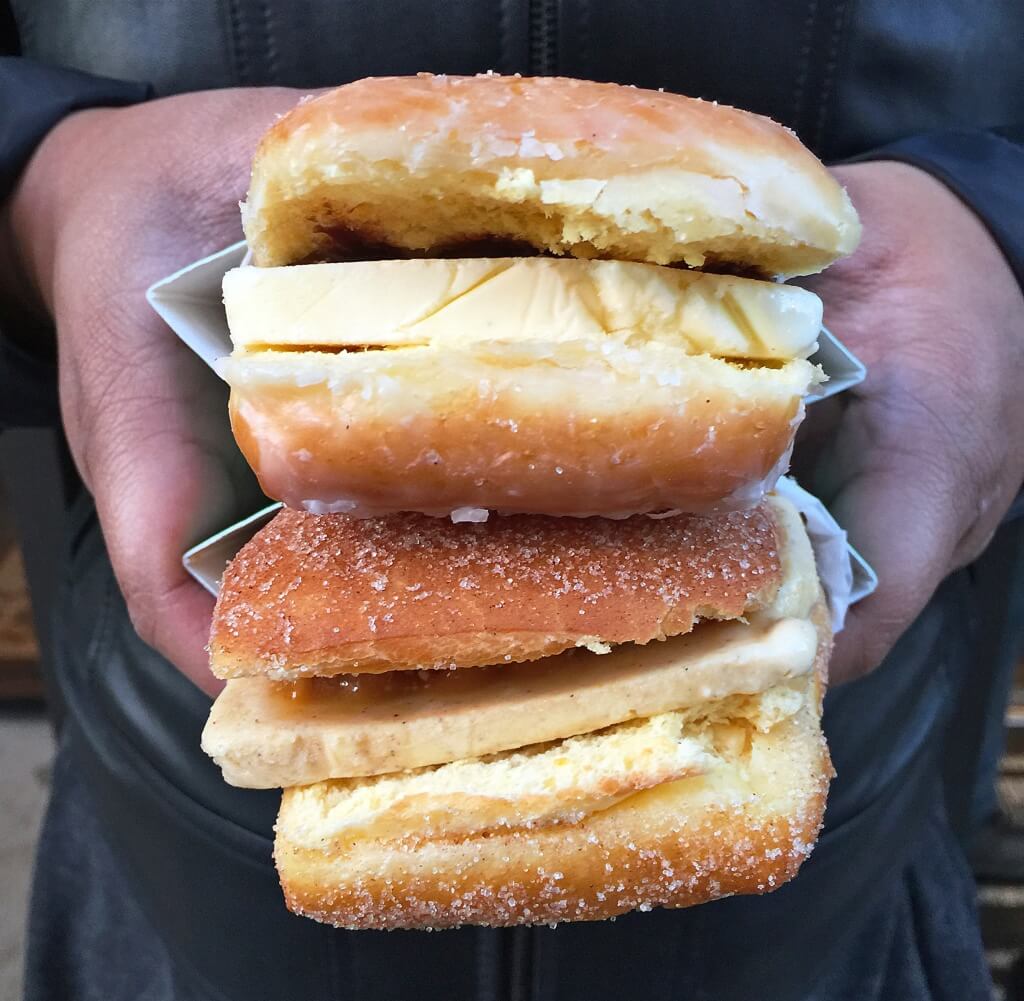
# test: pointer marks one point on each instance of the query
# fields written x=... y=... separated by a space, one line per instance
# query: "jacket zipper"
x=520 y=964
x=543 y=36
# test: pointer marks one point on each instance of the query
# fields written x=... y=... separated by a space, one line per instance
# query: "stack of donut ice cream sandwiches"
x=532 y=640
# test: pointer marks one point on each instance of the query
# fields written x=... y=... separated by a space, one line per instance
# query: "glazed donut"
x=400 y=345
x=434 y=164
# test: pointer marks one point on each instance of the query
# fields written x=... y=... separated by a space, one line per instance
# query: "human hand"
x=112 y=201
x=920 y=462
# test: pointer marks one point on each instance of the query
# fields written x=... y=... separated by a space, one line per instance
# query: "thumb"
x=157 y=454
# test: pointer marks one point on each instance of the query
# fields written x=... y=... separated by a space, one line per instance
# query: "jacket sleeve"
x=984 y=168
x=33 y=98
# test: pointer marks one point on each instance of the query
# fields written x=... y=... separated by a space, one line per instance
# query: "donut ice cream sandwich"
x=529 y=720
x=541 y=296
x=533 y=640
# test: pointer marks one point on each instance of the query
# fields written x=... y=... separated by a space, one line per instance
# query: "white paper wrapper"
x=206 y=560
x=190 y=302
x=845 y=574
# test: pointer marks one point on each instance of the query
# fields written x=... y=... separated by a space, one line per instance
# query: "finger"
x=899 y=515
x=158 y=457
x=182 y=629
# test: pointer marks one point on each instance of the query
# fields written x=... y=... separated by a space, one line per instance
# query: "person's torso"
x=847 y=76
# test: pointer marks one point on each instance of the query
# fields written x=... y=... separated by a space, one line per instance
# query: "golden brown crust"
x=426 y=163
x=673 y=869
x=325 y=595
x=425 y=429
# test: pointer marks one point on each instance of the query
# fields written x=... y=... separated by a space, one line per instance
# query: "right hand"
x=113 y=200
x=920 y=461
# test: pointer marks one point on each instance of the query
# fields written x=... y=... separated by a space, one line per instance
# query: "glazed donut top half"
x=543 y=296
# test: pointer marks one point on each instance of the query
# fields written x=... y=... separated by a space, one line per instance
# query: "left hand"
x=113 y=199
x=921 y=461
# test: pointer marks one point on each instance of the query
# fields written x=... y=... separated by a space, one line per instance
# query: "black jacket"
x=849 y=77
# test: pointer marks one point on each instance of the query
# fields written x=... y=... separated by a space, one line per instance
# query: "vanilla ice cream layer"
x=537 y=786
x=453 y=303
